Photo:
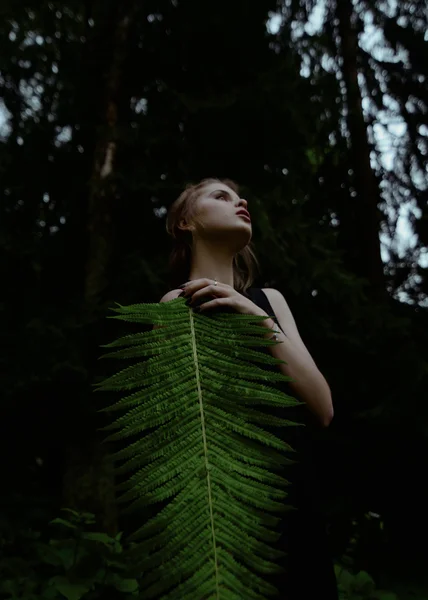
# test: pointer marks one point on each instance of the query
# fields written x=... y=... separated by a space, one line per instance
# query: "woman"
x=214 y=262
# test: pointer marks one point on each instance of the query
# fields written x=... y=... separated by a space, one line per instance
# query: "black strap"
x=258 y=296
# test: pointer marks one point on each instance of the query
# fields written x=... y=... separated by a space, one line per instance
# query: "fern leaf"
x=200 y=390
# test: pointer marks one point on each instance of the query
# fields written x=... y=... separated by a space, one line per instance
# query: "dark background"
x=107 y=110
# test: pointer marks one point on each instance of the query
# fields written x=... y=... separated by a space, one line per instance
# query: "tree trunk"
x=102 y=187
x=88 y=482
x=362 y=217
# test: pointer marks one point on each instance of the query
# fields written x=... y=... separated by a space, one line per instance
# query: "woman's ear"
x=185 y=226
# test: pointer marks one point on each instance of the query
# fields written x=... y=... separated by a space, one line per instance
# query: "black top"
x=305 y=490
x=309 y=572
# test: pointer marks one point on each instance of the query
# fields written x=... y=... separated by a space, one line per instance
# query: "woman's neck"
x=212 y=261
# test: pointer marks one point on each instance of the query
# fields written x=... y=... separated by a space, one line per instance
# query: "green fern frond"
x=199 y=389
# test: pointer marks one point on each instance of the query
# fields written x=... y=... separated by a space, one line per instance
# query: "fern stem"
x=204 y=438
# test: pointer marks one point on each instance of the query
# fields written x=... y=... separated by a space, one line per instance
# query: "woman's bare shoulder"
x=171 y=295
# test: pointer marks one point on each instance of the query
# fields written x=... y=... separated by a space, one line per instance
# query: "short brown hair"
x=245 y=262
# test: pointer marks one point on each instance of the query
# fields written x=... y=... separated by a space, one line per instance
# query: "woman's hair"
x=245 y=263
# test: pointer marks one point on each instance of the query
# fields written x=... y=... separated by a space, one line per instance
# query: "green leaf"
x=72 y=511
x=99 y=537
x=87 y=517
x=115 y=563
x=195 y=411
x=384 y=595
x=100 y=576
x=66 y=551
x=117 y=548
x=49 y=593
x=48 y=554
x=344 y=578
x=71 y=591
x=126 y=585
x=59 y=521
x=67 y=556
x=364 y=583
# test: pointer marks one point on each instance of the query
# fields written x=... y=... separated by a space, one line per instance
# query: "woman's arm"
x=309 y=383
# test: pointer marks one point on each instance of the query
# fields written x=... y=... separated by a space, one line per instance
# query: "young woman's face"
x=216 y=214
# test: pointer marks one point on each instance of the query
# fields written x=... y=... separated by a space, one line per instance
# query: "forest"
x=318 y=109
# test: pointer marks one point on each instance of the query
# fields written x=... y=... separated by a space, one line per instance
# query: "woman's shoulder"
x=171 y=295
x=271 y=293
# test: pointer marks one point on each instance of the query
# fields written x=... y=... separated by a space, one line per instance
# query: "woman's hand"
x=224 y=295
